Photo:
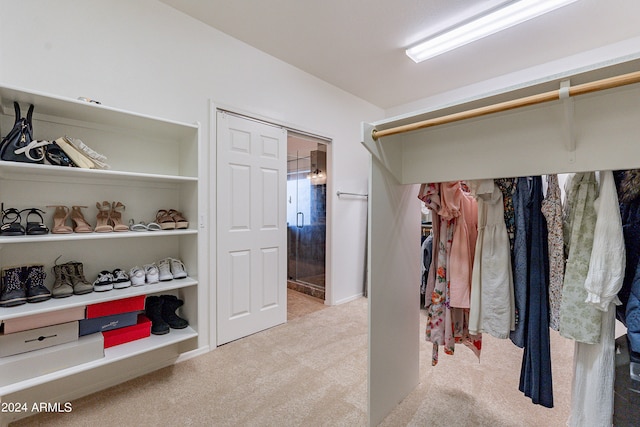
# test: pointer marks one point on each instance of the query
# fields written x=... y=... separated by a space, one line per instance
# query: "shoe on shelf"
x=115 y=216
x=154 y=226
x=140 y=226
x=164 y=267
x=74 y=271
x=77 y=218
x=120 y=279
x=34 y=276
x=60 y=216
x=62 y=287
x=11 y=223
x=12 y=289
x=35 y=227
x=104 y=281
x=102 y=219
x=177 y=269
x=151 y=273
x=170 y=303
x=137 y=276
x=153 y=310
x=181 y=222
x=164 y=220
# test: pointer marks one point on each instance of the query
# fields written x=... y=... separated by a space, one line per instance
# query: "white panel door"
x=251 y=226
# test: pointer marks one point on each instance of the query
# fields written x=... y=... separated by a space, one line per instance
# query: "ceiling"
x=358 y=45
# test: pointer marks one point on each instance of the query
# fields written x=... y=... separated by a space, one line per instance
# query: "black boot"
x=153 y=310
x=12 y=290
x=34 y=276
x=170 y=304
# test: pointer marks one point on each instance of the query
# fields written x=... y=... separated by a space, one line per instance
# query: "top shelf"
x=71 y=109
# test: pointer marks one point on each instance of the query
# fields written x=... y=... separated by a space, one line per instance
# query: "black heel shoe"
x=35 y=227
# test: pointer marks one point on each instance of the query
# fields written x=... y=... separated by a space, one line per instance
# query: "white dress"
x=492 y=308
x=594 y=364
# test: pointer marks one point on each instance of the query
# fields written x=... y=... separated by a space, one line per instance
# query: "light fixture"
x=497 y=20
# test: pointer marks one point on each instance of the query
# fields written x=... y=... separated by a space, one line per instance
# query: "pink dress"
x=445 y=326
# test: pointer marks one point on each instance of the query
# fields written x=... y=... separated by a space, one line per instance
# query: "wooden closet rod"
x=608 y=83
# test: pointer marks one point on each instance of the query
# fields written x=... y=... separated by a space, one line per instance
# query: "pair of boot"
x=162 y=313
x=20 y=285
x=70 y=280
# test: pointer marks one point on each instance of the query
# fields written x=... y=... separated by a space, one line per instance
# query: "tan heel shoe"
x=164 y=219
x=59 y=219
x=80 y=224
x=116 y=217
x=102 y=219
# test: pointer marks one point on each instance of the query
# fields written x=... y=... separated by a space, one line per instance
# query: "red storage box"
x=119 y=306
x=142 y=329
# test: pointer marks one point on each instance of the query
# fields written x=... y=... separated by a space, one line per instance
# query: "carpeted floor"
x=312 y=371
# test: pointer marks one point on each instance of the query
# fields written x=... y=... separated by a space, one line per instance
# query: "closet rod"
x=608 y=83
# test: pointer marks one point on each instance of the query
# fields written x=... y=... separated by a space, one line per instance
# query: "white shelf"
x=93 y=236
x=154 y=163
x=111 y=355
x=38 y=171
x=54 y=304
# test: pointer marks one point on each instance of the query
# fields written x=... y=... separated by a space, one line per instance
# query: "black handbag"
x=18 y=145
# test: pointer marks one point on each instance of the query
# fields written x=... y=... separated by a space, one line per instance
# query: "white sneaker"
x=151 y=273
x=177 y=269
x=165 y=270
x=137 y=276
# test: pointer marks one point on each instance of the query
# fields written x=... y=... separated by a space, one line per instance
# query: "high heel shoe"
x=59 y=219
x=116 y=217
x=80 y=224
x=102 y=219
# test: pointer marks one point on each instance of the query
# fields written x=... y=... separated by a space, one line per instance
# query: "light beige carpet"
x=312 y=371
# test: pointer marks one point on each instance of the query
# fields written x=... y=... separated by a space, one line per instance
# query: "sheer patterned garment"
x=552 y=211
x=579 y=320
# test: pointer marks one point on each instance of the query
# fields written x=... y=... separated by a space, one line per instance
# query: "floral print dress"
x=552 y=211
x=444 y=326
x=579 y=320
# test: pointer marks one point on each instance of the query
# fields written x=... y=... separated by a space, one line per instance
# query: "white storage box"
x=36 y=339
x=43 y=319
x=22 y=367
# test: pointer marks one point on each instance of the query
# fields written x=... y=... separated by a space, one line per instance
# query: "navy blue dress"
x=535 y=374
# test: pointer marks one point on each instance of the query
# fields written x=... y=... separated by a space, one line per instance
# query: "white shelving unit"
x=154 y=164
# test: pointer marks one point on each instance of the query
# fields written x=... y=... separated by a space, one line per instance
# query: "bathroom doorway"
x=306 y=214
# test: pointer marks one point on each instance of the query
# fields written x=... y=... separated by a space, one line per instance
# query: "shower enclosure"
x=306 y=215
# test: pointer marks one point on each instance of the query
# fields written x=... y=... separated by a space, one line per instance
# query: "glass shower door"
x=306 y=217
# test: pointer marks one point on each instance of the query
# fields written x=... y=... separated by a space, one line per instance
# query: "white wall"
x=143 y=56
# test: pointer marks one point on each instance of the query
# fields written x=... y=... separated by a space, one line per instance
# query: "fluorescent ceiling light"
x=497 y=20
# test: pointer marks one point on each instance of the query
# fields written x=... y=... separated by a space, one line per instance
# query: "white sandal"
x=141 y=226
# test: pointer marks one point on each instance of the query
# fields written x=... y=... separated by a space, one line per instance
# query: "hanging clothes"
x=445 y=326
x=426 y=250
x=520 y=260
x=464 y=208
x=430 y=195
x=579 y=320
x=508 y=188
x=592 y=398
x=535 y=374
x=628 y=185
x=492 y=304
x=552 y=211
